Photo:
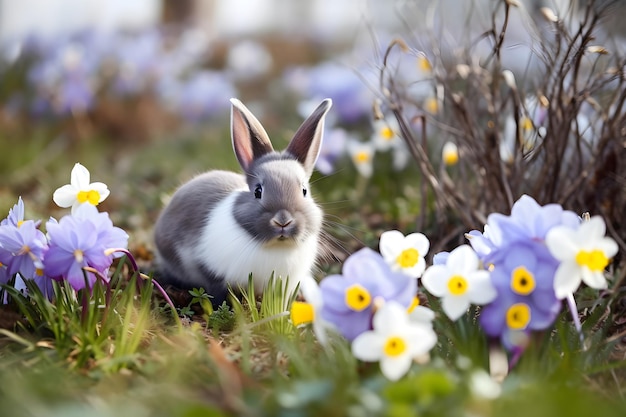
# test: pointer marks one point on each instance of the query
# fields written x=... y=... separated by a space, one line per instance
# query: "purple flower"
x=528 y=221
x=351 y=97
x=349 y=300
x=78 y=241
x=333 y=148
x=22 y=248
x=203 y=95
x=16 y=214
x=523 y=278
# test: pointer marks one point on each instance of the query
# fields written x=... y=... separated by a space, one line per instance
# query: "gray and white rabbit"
x=221 y=226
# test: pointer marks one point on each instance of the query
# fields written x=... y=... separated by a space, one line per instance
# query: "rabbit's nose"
x=282 y=219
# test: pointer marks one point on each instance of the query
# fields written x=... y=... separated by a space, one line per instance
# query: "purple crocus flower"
x=78 y=241
x=22 y=248
x=350 y=299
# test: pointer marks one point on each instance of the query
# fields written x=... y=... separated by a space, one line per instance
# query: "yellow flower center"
x=414 y=303
x=595 y=260
x=39 y=272
x=362 y=157
x=408 y=258
x=424 y=64
x=78 y=255
x=20 y=223
x=526 y=124
x=394 y=346
x=387 y=133
x=24 y=250
x=302 y=313
x=518 y=316
x=457 y=285
x=358 y=298
x=91 y=196
x=522 y=281
x=450 y=157
x=431 y=105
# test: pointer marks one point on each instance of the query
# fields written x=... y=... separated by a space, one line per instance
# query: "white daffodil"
x=304 y=312
x=584 y=254
x=386 y=134
x=395 y=341
x=362 y=155
x=450 y=154
x=80 y=190
x=459 y=282
x=405 y=253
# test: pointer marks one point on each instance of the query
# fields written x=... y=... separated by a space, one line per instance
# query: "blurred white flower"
x=405 y=253
x=395 y=341
x=385 y=135
x=362 y=155
x=450 y=154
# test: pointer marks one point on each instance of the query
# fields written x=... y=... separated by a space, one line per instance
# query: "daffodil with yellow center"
x=405 y=253
x=450 y=154
x=584 y=253
x=459 y=282
x=395 y=341
x=80 y=190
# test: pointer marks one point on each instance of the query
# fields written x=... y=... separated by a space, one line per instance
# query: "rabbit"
x=222 y=226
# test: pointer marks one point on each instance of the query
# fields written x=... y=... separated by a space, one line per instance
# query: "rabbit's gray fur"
x=215 y=231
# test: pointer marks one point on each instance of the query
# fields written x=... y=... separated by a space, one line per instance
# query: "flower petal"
x=65 y=196
x=390 y=244
x=454 y=307
x=435 y=280
x=80 y=177
x=566 y=279
x=396 y=367
x=368 y=346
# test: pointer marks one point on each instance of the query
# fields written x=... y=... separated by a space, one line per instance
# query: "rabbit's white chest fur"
x=229 y=251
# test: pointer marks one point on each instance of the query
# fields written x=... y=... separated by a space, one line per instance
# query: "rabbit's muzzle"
x=284 y=225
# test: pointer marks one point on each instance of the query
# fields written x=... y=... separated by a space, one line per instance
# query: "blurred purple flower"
x=80 y=240
x=333 y=148
x=137 y=59
x=367 y=281
x=203 y=95
x=22 y=249
x=351 y=97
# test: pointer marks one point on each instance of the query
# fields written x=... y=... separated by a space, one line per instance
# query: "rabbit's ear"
x=307 y=141
x=250 y=140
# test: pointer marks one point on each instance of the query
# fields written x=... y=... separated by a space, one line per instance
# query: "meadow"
x=473 y=228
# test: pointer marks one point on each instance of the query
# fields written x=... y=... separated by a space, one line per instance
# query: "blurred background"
x=137 y=91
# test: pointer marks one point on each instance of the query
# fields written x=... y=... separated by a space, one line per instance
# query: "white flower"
x=450 y=154
x=405 y=253
x=308 y=312
x=584 y=254
x=385 y=135
x=80 y=190
x=362 y=155
x=459 y=282
x=395 y=341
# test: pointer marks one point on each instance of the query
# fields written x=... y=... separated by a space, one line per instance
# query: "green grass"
x=121 y=351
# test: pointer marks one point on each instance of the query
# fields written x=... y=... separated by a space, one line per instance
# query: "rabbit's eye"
x=257 y=191
x=304 y=192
